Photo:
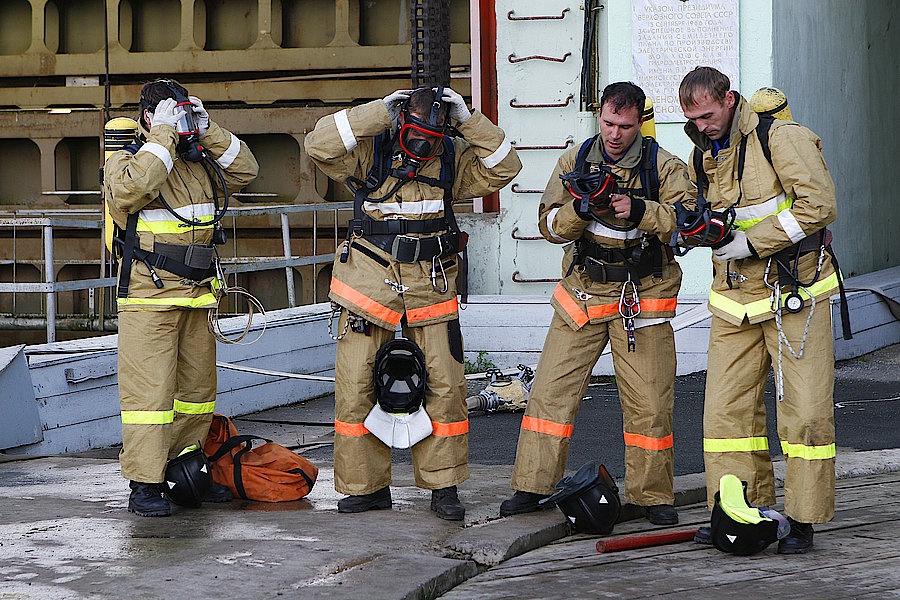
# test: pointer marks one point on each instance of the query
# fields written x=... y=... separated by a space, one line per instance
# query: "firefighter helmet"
x=739 y=528
x=398 y=418
x=188 y=477
x=589 y=498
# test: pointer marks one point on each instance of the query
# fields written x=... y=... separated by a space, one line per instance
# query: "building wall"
x=838 y=63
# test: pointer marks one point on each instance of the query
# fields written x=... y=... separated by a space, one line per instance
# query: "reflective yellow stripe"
x=759 y=307
x=195 y=408
x=745 y=224
x=177 y=227
x=147 y=417
x=205 y=300
x=750 y=444
x=808 y=452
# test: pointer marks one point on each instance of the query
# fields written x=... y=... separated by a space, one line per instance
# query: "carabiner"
x=629 y=308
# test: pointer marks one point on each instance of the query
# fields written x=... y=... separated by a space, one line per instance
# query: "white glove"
x=394 y=102
x=202 y=115
x=458 y=109
x=737 y=248
x=167 y=113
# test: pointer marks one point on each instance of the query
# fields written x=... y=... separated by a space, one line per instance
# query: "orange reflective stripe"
x=658 y=304
x=440 y=309
x=364 y=302
x=450 y=429
x=649 y=443
x=603 y=310
x=350 y=429
x=548 y=427
x=569 y=306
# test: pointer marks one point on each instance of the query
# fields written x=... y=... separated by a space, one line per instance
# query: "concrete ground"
x=65 y=534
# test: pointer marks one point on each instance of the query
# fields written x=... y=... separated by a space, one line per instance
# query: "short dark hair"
x=420 y=102
x=157 y=90
x=623 y=94
x=703 y=81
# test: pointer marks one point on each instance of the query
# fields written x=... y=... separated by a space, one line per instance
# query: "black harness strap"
x=128 y=247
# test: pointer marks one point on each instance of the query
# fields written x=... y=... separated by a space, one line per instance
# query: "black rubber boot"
x=523 y=502
x=661 y=514
x=704 y=536
x=445 y=502
x=375 y=501
x=147 y=500
x=799 y=540
x=218 y=494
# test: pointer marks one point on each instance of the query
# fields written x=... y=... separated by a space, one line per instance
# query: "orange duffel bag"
x=267 y=473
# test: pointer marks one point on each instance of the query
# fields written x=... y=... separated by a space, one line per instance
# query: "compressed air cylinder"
x=648 y=127
x=771 y=101
x=117 y=133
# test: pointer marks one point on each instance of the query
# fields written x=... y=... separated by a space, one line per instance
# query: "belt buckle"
x=593 y=263
x=406 y=249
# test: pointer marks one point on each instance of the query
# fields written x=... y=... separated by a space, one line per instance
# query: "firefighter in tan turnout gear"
x=399 y=265
x=619 y=287
x=769 y=300
x=164 y=199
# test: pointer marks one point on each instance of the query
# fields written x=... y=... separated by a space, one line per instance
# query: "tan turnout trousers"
x=645 y=379
x=362 y=462
x=734 y=416
x=167 y=387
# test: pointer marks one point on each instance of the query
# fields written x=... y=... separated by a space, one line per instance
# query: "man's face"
x=618 y=130
x=712 y=118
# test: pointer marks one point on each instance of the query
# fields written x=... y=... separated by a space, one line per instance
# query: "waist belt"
x=615 y=264
x=602 y=272
x=194 y=262
x=368 y=227
x=409 y=249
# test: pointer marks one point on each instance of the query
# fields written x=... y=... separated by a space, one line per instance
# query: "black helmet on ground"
x=188 y=477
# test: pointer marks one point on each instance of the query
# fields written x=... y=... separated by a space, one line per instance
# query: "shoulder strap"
x=128 y=246
x=702 y=180
x=762 y=133
x=649 y=169
x=581 y=158
x=448 y=177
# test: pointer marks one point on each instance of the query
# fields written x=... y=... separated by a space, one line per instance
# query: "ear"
x=730 y=99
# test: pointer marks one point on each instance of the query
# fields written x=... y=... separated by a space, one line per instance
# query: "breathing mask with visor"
x=188 y=147
x=701 y=227
x=421 y=138
x=594 y=189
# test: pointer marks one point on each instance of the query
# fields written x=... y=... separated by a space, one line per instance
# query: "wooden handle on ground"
x=632 y=542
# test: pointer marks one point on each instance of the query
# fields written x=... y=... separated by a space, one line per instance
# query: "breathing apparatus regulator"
x=702 y=227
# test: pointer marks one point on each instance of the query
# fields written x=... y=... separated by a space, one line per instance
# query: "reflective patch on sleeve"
x=228 y=157
x=342 y=122
x=550 y=217
x=160 y=152
x=497 y=155
x=791 y=226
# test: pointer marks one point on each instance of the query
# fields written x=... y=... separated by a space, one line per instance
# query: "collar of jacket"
x=744 y=122
x=630 y=160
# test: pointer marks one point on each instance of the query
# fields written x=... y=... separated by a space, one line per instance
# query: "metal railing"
x=47 y=220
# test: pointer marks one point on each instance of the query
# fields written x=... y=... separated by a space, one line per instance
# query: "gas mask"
x=188 y=146
x=595 y=189
x=421 y=139
x=188 y=131
x=702 y=227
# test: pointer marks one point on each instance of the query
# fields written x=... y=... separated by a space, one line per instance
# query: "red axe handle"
x=633 y=542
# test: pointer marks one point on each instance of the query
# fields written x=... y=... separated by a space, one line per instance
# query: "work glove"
x=458 y=109
x=738 y=248
x=167 y=113
x=394 y=102
x=201 y=114
x=584 y=214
